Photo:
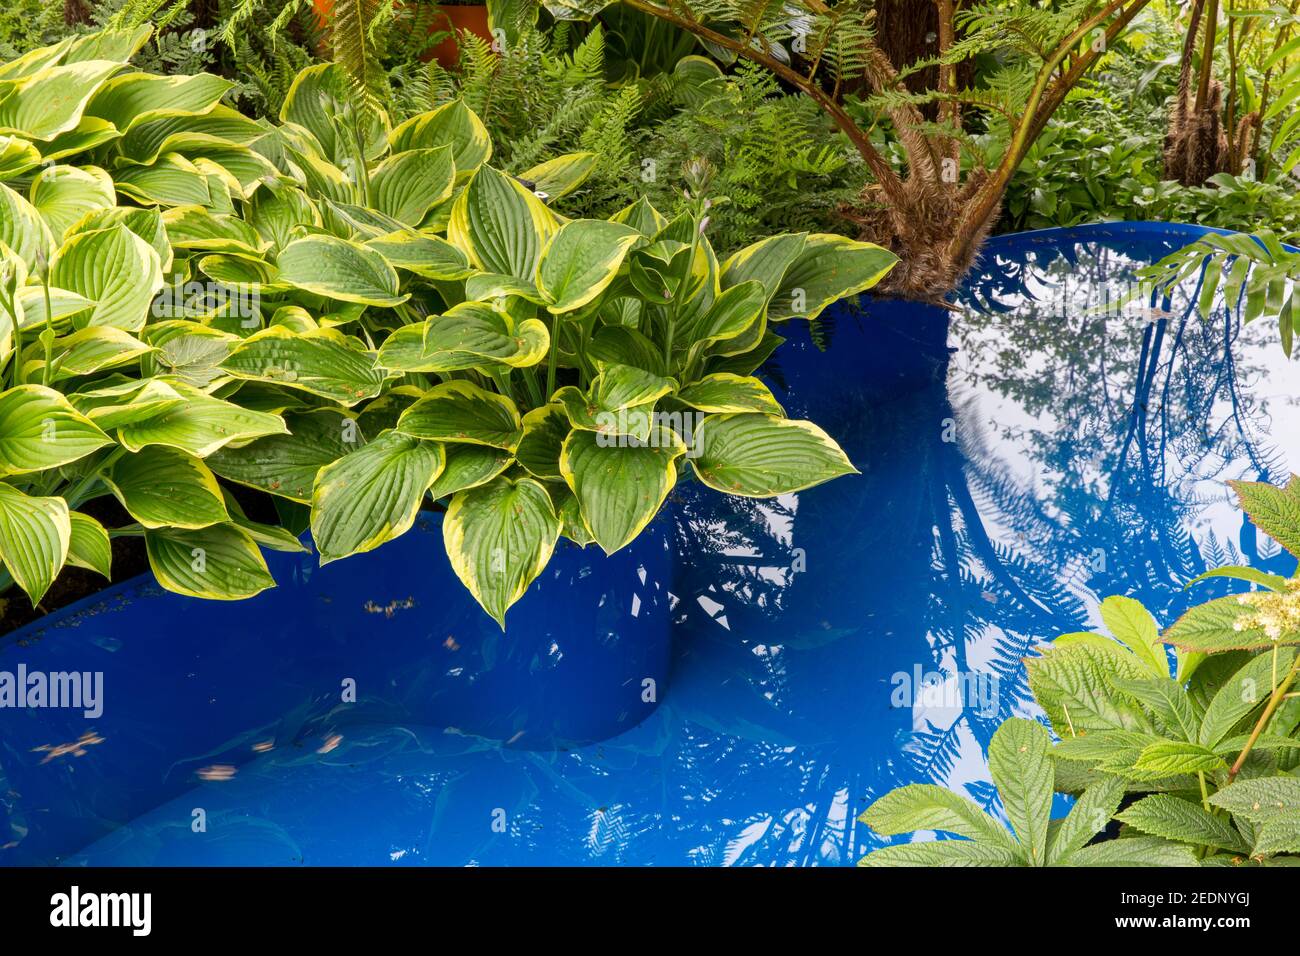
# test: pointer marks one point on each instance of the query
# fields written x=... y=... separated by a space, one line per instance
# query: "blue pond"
x=1038 y=448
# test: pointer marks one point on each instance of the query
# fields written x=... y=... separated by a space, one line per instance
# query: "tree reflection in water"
x=1068 y=446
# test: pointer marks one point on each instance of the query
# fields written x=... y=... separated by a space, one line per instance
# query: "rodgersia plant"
x=1202 y=752
x=361 y=317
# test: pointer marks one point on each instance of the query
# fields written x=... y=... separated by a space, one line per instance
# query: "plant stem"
x=1279 y=694
x=552 y=357
x=47 y=337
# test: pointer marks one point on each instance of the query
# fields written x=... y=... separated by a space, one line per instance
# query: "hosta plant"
x=1198 y=757
x=102 y=170
x=360 y=318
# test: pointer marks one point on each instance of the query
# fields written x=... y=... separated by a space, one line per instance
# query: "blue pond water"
x=1021 y=457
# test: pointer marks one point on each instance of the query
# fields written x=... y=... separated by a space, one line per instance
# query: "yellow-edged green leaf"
x=580 y=261
x=34 y=537
x=116 y=270
x=468 y=335
x=340 y=269
x=319 y=362
x=40 y=429
x=220 y=563
x=499 y=537
x=372 y=494
x=759 y=456
x=460 y=411
x=164 y=487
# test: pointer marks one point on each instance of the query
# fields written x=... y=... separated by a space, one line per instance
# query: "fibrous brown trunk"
x=1196 y=144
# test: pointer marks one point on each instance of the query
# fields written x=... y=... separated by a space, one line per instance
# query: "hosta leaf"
x=318 y=96
x=453 y=124
x=220 y=126
x=1275 y=511
x=1240 y=694
x=1170 y=817
x=580 y=261
x=321 y=363
x=194 y=227
x=619 y=401
x=827 y=269
x=134 y=98
x=561 y=175
x=759 y=456
x=468 y=335
x=92 y=349
x=408 y=184
x=200 y=426
x=340 y=269
x=189 y=352
x=1022 y=771
x=1134 y=627
x=468 y=466
x=372 y=494
x=620 y=489
x=280 y=211
x=40 y=429
x=499 y=536
x=430 y=257
x=22 y=229
x=287 y=465
x=64 y=194
x=220 y=563
x=765 y=262
x=501 y=225
x=88 y=545
x=539 y=449
x=116 y=270
x=727 y=392
x=1261 y=800
x=1134 y=851
x=145 y=223
x=733 y=313
x=924 y=806
x=1209 y=628
x=52 y=101
x=459 y=411
x=34 y=538
x=1088 y=817
x=163 y=487
x=172 y=180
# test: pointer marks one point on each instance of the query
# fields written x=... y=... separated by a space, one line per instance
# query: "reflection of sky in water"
x=793 y=618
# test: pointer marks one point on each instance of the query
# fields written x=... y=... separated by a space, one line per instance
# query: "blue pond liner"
x=1037 y=449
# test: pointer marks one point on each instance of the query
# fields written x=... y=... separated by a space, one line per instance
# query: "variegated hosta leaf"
x=430 y=257
x=827 y=269
x=727 y=392
x=619 y=401
x=95 y=348
x=580 y=261
x=735 y=312
x=316 y=99
x=194 y=227
x=619 y=485
x=89 y=546
x=459 y=411
x=200 y=425
x=759 y=456
x=219 y=563
x=468 y=466
x=170 y=181
x=116 y=270
x=145 y=223
x=280 y=211
x=219 y=127
x=287 y=465
x=186 y=351
x=372 y=495
x=764 y=261
x=453 y=124
x=561 y=175
x=64 y=194
x=468 y=335
x=164 y=487
x=40 y=429
x=34 y=537
x=340 y=269
x=22 y=229
x=501 y=225
x=539 y=449
x=408 y=184
x=320 y=362
x=134 y=98
x=52 y=101
x=17 y=156
x=499 y=537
